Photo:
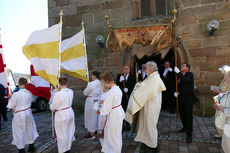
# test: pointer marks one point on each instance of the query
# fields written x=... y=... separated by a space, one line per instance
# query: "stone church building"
x=205 y=52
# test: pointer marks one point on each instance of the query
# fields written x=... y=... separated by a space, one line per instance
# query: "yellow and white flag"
x=74 y=56
x=42 y=49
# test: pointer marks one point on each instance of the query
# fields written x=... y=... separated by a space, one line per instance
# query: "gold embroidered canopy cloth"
x=160 y=36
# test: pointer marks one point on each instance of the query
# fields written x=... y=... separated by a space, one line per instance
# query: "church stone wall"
x=207 y=52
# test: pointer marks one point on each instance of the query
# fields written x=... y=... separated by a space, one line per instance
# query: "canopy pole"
x=115 y=49
x=173 y=21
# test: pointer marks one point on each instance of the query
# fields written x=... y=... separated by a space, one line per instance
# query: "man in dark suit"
x=2 y=103
x=141 y=73
x=130 y=81
x=168 y=76
x=186 y=99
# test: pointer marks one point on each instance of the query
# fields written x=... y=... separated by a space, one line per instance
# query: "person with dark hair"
x=64 y=117
x=2 y=102
x=129 y=81
x=115 y=115
x=168 y=100
x=92 y=93
x=186 y=98
x=23 y=125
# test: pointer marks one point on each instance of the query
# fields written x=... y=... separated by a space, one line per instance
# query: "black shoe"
x=182 y=130
x=189 y=139
x=152 y=150
x=31 y=148
x=143 y=148
x=21 y=151
x=67 y=151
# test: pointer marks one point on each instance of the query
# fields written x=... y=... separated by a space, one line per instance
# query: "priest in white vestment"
x=23 y=125
x=145 y=102
x=92 y=93
x=115 y=115
x=64 y=121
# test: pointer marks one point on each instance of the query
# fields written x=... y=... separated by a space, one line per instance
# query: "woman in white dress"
x=114 y=116
x=92 y=92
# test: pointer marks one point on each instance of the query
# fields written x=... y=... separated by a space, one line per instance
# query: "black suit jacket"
x=186 y=83
x=169 y=81
x=130 y=83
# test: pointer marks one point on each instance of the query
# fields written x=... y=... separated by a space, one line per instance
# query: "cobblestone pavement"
x=169 y=140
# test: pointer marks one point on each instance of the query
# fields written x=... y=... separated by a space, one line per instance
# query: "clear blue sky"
x=18 y=19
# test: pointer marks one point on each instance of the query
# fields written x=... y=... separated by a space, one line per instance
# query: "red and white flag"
x=3 y=71
x=38 y=86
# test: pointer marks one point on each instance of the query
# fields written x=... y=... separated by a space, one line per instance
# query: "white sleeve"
x=107 y=105
x=12 y=102
x=52 y=96
x=55 y=102
x=88 y=89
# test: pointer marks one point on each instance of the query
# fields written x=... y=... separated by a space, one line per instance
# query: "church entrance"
x=156 y=58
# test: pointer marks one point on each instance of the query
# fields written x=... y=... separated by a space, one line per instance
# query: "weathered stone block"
x=116 y=13
x=68 y=31
x=109 y=62
x=89 y=2
x=215 y=41
x=203 y=52
x=71 y=9
x=213 y=60
x=87 y=18
x=54 y=11
x=186 y=20
x=207 y=9
x=210 y=1
x=71 y=20
x=51 y=3
x=193 y=43
x=196 y=71
x=222 y=51
x=52 y=21
x=88 y=8
x=199 y=60
x=62 y=2
x=209 y=67
x=96 y=28
x=189 y=3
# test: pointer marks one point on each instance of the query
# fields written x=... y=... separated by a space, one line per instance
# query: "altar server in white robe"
x=146 y=100
x=92 y=92
x=23 y=125
x=64 y=121
x=101 y=118
x=115 y=115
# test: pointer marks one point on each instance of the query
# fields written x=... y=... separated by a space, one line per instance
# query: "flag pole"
x=115 y=49
x=60 y=38
x=59 y=64
x=84 y=43
x=173 y=21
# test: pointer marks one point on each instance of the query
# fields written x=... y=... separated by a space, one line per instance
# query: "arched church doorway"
x=156 y=58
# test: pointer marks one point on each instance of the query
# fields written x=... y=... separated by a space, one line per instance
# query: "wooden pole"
x=115 y=49
x=175 y=54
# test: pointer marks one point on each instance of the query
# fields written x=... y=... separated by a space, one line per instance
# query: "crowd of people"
x=114 y=105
